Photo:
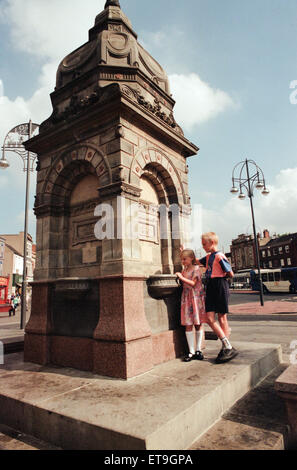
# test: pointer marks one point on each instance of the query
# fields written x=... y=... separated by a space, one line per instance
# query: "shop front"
x=4 y=301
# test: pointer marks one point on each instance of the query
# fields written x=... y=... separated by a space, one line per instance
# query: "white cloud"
x=50 y=29
x=196 y=100
x=275 y=212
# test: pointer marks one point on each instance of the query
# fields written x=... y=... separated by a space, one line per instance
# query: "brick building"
x=279 y=252
x=243 y=252
x=12 y=259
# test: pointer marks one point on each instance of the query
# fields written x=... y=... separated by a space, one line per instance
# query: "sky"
x=232 y=67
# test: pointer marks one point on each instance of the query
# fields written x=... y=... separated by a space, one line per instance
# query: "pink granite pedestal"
x=123 y=340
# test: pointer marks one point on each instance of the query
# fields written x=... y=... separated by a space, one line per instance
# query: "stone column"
x=123 y=344
x=38 y=329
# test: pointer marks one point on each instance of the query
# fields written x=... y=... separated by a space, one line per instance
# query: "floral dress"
x=193 y=299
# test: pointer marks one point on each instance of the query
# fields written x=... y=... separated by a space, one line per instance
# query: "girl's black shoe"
x=199 y=356
x=189 y=357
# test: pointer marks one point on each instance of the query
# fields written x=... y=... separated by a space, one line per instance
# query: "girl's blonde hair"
x=189 y=254
x=211 y=237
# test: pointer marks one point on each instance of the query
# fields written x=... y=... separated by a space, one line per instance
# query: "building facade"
x=2 y=249
x=279 y=252
x=275 y=252
x=243 y=252
x=12 y=259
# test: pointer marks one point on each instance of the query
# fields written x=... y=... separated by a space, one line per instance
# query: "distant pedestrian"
x=16 y=301
x=218 y=270
x=192 y=305
x=12 y=306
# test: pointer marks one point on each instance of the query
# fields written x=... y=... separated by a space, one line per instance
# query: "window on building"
x=289 y=262
x=280 y=249
x=263 y=254
x=268 y=253
x=287 y=249
x=282 y=261
x=274 y=251
x=270 y=264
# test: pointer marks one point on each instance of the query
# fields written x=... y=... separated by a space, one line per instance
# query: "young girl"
x=192 y=304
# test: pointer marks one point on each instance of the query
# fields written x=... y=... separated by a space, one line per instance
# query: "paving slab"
x=269 y=307
x=167 y=408
x=258 y=421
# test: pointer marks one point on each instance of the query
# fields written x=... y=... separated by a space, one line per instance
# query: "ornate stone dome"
x=113 y=51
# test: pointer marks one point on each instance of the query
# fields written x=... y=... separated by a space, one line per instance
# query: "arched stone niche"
x=155 y=158
x=161 y=199
x=149 y=225
x=65 y=214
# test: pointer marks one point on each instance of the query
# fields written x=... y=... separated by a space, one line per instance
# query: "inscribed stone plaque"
x=89 y=254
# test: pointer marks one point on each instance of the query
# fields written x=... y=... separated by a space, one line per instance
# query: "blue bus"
x=275 y=280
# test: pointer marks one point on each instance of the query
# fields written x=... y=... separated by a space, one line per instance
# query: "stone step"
x=13 y=345
x=16 y=440
x=167 y=408
x=258 y=421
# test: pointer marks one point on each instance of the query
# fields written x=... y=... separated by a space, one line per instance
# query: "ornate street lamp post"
x=250 y=176
x=13 y=142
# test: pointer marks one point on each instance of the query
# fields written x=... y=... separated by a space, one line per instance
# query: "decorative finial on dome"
x=112 y=3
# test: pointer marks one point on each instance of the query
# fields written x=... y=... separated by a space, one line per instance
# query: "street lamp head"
x=234 y=190
x=259 y=185
x=265 y=191
x=241 y=196
x=4 y=164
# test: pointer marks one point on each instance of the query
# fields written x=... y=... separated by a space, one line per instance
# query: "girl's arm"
x=187 y=281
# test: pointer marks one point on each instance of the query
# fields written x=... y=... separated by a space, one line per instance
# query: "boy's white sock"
x=190 y=339
x=226 y=343
x=199 y=339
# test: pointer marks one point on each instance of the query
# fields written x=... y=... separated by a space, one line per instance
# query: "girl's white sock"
x=190 y=339
x=199 y=339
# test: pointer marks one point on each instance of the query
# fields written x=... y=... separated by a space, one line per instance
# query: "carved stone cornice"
x=45 y=210
x=78 y=105
x=155 y=108
x=119 y=189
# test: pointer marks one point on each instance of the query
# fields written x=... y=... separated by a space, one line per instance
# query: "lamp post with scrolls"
x=13 y=142
x=250 y=176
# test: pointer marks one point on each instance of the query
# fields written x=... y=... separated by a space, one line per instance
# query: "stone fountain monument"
x=109 y=304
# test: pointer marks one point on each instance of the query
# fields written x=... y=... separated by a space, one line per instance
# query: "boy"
x=218 y=269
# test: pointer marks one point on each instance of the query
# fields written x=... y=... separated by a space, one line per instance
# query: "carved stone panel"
x=83 y=231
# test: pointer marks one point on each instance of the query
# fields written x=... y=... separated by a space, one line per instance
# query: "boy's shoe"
x=198 y=356
x=220 y=353
x=226 y=355
x=189 y=357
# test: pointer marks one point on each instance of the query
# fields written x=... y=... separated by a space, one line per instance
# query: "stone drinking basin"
x=161 y=286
